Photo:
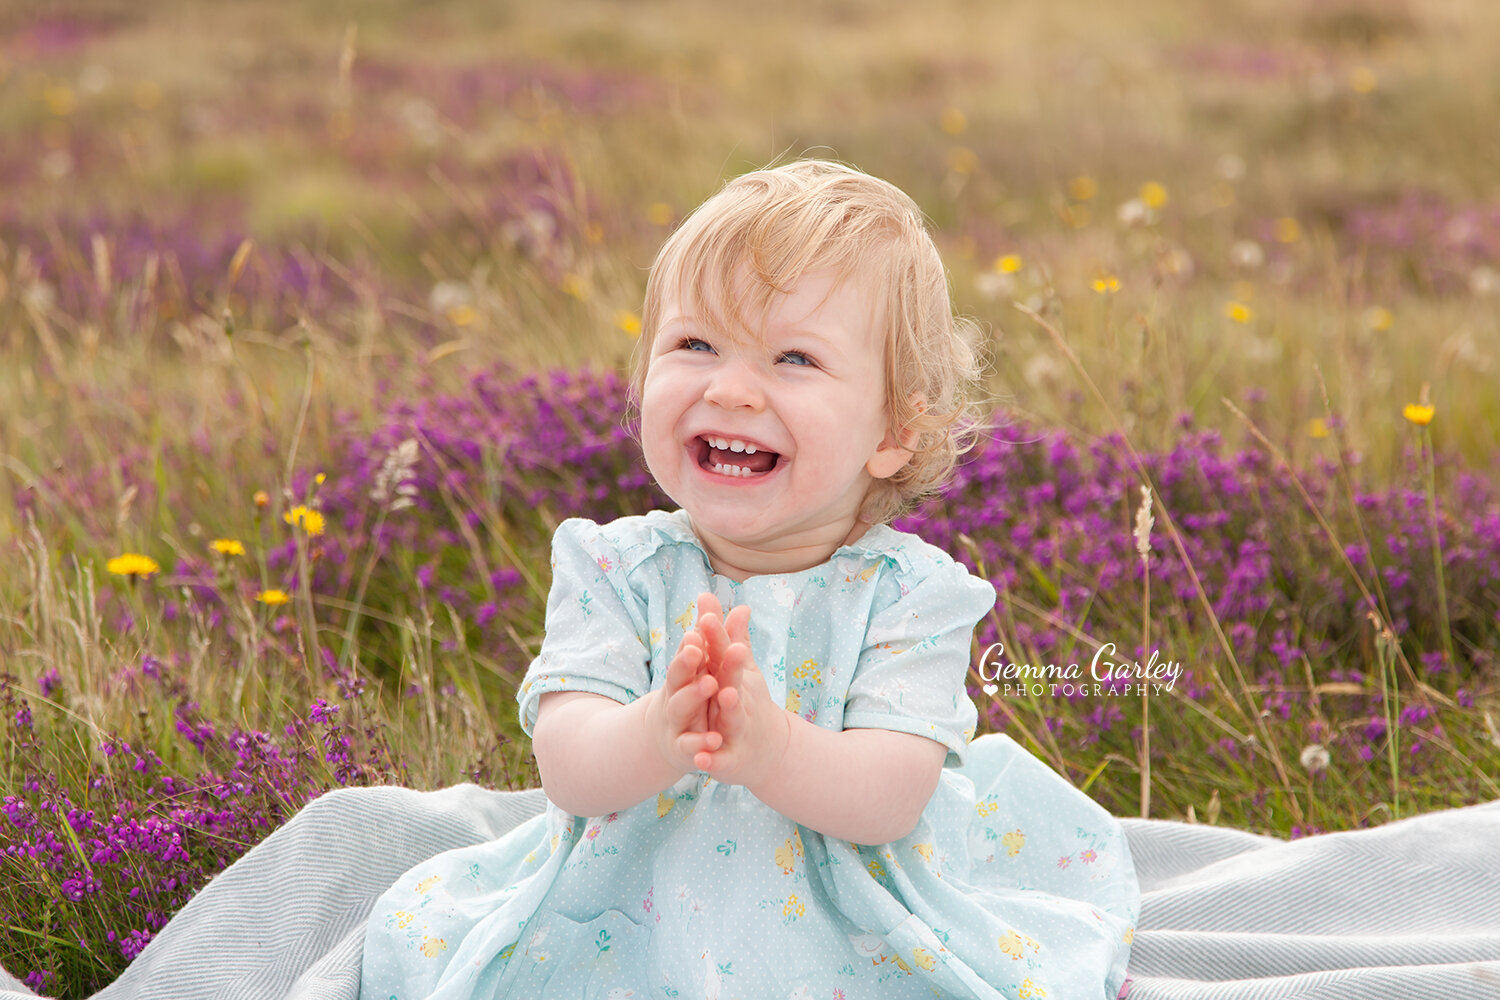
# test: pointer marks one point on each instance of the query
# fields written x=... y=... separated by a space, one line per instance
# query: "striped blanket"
x=1407 y=910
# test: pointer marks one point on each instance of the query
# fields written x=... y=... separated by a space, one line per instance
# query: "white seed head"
x=1315 y=758
x=1144 y=522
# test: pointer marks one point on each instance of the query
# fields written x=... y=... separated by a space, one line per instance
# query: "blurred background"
x=1329 y=167
x=312 y=320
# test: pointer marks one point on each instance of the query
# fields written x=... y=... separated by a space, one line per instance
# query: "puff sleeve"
x=912 y=670
x=596 y=631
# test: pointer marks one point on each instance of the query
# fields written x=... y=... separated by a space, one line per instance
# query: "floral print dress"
x=1013 y=884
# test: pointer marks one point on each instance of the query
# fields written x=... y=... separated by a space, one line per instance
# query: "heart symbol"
x=991 y=688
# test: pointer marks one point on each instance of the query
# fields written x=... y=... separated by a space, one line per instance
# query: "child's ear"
x=893 y=452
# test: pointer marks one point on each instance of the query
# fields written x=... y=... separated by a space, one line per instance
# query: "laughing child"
x=750 y=714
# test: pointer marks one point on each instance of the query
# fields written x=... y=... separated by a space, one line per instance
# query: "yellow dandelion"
x=1379 y=318
x=132 y=564
x=963 y=160
x=273 y=598
x=1317 y=428
x=660 y=213
x=1288 y=230
x=461 y=315
x=1108 y=284
x=628 y=322
x=309 y=520
x=1009 y=264
x=953 y=121
x=1238 y=312
x=1083 y=188
x=1418 y=413
x=1153 y=194
x=60 y=99
x=262 y=498
x=227 y=547
x=320 y=479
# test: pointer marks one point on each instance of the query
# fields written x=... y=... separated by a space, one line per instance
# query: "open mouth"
x=734 y=457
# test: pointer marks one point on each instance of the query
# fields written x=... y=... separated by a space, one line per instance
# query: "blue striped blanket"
x=1406 y=910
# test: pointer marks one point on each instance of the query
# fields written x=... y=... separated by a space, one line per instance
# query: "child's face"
x=808 y=396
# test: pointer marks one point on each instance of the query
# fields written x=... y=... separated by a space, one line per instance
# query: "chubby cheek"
x=657 y=445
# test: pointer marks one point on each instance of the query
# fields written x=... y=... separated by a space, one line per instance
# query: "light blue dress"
x=1013 y=884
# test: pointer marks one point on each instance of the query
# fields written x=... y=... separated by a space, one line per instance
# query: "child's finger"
x=686 y=706
x=715 y=639
x=701 y=748
x=737 y=624
x=693 y=640
x=684 y=666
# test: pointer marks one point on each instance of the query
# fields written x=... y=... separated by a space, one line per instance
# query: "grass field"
x=319 y=313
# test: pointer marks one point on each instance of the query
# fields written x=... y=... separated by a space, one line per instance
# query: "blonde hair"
x=775 y=225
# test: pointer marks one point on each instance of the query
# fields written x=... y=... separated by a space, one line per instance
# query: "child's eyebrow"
x=822 y=342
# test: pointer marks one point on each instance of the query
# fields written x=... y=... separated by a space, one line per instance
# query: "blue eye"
x=694 y=344
x=797 y=358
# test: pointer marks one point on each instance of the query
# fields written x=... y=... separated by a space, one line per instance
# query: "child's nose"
x=733 y=385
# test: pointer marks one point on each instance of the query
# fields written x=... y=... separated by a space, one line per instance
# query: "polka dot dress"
x=1013 y=884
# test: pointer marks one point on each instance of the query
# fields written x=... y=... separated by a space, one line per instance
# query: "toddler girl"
x=785 y=800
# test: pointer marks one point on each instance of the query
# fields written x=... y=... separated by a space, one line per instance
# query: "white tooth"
x=736 y=445
x=721 y=444
x=749 y=449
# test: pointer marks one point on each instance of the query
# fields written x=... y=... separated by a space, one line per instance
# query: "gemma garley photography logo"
x=1108 y=674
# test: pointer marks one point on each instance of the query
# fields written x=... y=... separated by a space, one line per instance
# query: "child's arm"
x=597 y=756
x=868 y=786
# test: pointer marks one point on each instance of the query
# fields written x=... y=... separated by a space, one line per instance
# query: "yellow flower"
x=262 y=498
x=660 y=214
x=629 y=322
x=461 y=315
x=1288 y=230
x=1153 y=194
x=272 y=598
x=227 y=547
x=1108 y=283
x=306 y=518
x=963 y=160
x=953 y=121
x=1418 y=413
x=1379 y=318
x=60 y=99
x=1083 y=188
x=1009 y=264
x=1362 y=79
x=1239 y=312
x=574 y=285
x=132 y=564
x=1317 y=428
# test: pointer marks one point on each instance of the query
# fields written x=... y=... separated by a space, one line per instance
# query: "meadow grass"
x=384 y=264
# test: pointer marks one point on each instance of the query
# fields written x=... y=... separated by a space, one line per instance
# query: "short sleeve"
x=912 y=672
x=596 y=628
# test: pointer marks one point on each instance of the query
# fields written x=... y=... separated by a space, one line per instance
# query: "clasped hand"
x=714 y=712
